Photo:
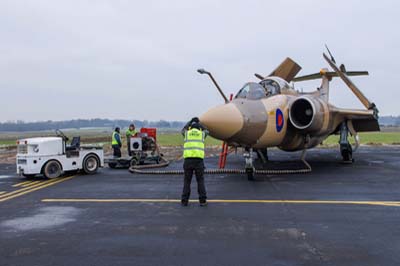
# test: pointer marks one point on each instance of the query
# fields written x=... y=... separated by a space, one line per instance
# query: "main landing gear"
x=345 y=147
x=262 y=154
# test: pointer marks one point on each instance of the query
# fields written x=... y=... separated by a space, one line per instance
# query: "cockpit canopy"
x=266 y=88
x=271 y=86
x=251 y=91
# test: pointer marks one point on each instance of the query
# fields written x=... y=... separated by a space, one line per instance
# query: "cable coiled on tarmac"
x=140 y=169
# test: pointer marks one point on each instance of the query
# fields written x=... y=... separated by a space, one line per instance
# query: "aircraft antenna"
x=330 y=54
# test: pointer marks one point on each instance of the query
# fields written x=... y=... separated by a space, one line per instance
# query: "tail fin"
x=357 y=92
x=324 y=89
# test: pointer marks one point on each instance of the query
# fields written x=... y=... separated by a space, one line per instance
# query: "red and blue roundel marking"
x=279 y=120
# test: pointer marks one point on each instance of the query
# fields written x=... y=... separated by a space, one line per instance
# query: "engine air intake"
x=302 y=113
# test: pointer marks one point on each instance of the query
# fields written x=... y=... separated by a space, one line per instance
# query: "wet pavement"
x=339 y=214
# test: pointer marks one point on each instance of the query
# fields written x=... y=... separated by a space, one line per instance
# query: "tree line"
x=21 y=126
x=389 y=120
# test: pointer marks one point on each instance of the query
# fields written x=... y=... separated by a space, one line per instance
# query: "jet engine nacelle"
x=307 y=114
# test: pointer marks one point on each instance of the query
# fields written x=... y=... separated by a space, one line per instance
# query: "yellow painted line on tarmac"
x=30 y=189
x=114 y=200
x=2 y=192
x=25 y=188
x=337 y=202
x=31 y=184
x=22 y=183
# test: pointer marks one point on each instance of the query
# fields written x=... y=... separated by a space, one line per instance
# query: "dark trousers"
x=117 y=151
x=129 y=147
x=195 y=165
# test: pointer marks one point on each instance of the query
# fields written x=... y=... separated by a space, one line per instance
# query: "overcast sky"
x=138 y=59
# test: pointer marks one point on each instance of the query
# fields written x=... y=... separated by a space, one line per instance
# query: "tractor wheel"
x=52 y=169
x=133 y=162
x=90 y=164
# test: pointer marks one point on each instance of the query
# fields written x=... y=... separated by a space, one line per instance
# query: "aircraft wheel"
x=52 y=169
x=250 y=174
x=347 y=154
x=90 y=164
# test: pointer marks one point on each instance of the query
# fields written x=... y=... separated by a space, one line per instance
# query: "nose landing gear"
x=249 y=168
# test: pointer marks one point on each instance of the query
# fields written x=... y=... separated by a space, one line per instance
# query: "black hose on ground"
x=140 y=169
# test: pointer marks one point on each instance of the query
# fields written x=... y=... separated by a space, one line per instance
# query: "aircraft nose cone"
x=223 y=121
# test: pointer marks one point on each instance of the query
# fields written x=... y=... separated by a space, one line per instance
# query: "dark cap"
x=196 y=125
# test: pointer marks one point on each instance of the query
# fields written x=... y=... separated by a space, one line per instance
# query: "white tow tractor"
x=51 y=156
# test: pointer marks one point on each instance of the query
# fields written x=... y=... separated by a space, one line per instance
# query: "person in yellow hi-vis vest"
x=193 y=154
x=116 y=142
x=130 y=132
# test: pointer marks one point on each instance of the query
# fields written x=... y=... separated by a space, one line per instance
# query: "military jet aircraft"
x=271 y=113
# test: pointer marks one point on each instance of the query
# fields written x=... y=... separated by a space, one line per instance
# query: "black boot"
x=203 y=203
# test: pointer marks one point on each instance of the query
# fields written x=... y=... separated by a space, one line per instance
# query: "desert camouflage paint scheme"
x=272 y=113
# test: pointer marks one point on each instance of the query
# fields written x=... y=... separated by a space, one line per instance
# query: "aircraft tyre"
x=250 y=174
x=347 y=153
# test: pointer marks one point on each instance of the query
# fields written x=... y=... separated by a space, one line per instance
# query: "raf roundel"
x=279 y=120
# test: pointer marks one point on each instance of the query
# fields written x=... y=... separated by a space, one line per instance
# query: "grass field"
x=175 y=139
x=370 y=138
x=7 y=142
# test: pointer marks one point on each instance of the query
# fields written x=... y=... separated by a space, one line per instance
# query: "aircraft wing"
x=363 y=120
x=287 y=70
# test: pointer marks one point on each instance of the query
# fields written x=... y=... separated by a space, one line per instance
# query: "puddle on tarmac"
x=377 y=162
x=45 y=218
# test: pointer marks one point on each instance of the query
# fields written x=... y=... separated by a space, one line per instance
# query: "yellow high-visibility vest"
x=194 y=144
x=114 y=140
x=129 y=133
